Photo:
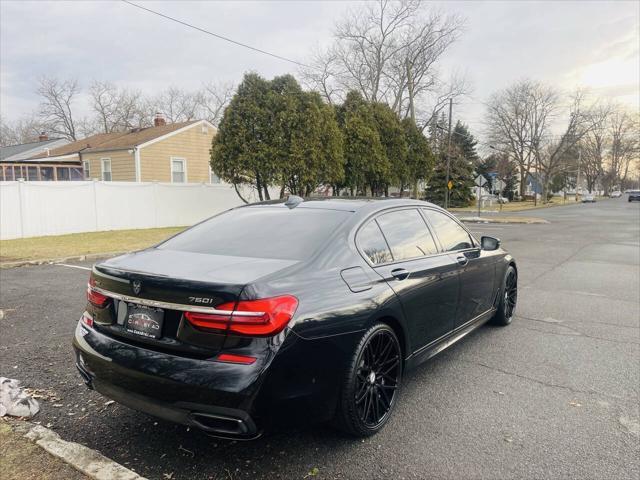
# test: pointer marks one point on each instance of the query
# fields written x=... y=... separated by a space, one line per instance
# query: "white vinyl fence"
x=31 y=209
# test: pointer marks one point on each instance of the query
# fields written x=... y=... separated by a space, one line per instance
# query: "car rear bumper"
x=292 y=382
x=215 y=397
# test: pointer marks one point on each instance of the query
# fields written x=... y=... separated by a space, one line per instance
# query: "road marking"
x=72 y=266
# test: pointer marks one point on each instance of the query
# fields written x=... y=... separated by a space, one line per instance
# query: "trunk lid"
x=165 y=283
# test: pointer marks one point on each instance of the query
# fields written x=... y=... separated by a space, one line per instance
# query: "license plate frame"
x=144 y=321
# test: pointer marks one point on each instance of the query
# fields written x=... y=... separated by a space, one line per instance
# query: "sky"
x=589 y=44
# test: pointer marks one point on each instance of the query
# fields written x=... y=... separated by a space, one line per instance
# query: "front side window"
x=373 y=244
x=106 y=169
x=407 y=234
x=178 y=171
x=451 y=234
x=86 y=167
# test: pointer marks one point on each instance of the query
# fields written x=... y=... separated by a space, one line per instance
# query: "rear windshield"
x=260 y=232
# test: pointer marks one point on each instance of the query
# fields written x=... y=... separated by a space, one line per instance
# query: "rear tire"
x=508 y=298
x=371 y=383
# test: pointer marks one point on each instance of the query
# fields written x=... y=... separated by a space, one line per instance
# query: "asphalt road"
x=556 y=394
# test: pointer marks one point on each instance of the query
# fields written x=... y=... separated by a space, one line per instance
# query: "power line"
x=221 y=37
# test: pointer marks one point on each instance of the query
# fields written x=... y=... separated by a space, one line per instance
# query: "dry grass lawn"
x=22 y=460
x=519 y=206
x=76 y=244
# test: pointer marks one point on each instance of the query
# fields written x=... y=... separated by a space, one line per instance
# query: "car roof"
x=357 y=204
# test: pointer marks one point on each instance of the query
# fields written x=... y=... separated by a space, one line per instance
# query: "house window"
x=46 y=173
x=62 y=174
x=213 y=178
x=86 y=168
x=32 y=174
x=106 y=169
x=178 y=170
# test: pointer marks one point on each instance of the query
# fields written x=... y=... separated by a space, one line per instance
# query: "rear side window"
x=261 y=232
x=407 y=234
x=452 y=236
x=373 y=244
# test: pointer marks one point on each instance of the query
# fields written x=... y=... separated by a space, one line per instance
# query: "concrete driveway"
x=556 y=394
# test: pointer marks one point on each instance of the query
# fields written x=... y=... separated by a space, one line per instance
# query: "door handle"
x=462 y=260
x=400 y=273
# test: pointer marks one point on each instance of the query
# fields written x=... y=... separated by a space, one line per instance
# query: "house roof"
x=116 y=141
x=26 y=150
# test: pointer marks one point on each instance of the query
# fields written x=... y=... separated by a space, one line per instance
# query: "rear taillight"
x=95 y=298
x=87 y=319
x=259 y=318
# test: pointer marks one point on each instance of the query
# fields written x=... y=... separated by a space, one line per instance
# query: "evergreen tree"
x=366 y=163
x=420 y=159
x=273 y=133
x=394 y=143
x=463 y=155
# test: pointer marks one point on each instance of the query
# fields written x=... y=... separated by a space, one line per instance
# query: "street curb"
x=84 y=459
x=520 y=220
x=47 y=261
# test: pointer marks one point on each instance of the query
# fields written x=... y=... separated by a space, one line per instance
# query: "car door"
x=477 y=267
x=407 y=257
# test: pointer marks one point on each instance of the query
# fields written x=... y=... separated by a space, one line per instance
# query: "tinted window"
x=407 y=234
x=261 y=232
x=451 y=235
x=372 y=243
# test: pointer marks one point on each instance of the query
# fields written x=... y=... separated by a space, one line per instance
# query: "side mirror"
x=489 y=243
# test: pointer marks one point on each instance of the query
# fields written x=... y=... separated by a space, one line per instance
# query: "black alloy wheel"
x=372 y=383
x=507 y=306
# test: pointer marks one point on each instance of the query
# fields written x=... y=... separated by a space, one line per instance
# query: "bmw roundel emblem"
x=137 y=286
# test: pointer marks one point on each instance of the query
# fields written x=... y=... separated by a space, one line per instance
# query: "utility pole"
x=578 y=175
x=446 y=183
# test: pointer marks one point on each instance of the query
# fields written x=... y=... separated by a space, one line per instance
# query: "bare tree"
x=518 y=119
x=387 y=51
x=624 y=137
x=321 y=75
x=116 y=109
x=23 y=130
x=57 y=99
x=555 y=157
x=214 y=99
x=177 y=105
x=593 y=146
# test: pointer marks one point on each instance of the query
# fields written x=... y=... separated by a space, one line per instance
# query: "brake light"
x=231 y=358
x=96 y=299
x=87 y=319
x=259 y=318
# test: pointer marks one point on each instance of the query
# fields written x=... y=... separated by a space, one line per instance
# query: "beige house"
x=176 y=153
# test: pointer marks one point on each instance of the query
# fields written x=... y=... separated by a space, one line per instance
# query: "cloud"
x=503 y=42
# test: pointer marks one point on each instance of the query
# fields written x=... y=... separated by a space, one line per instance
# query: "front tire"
x=508 y=298
x=371 y=384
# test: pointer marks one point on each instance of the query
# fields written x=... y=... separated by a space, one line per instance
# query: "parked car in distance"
x=616 y=194
x=588 y=198
x=634 y=196
x=289 y=310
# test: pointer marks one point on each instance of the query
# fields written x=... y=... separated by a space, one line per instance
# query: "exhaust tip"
x=220 y=424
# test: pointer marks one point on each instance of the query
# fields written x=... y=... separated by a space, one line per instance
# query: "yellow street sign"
x=450 y=185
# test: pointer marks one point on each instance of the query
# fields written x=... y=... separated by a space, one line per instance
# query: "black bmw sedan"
x=283 y=311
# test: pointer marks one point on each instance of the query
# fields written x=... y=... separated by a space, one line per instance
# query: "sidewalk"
x=492 y=218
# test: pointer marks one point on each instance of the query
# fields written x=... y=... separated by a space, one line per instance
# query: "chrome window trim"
x=436 y=239
x=173 y=306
